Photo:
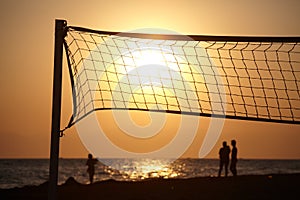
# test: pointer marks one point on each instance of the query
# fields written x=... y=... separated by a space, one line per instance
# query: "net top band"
x=291 y=39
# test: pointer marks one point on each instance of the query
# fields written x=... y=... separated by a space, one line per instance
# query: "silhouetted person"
x=233 y=158
x=224 y=158
x=91 y=167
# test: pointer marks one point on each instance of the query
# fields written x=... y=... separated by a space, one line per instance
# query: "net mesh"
x=238 y=79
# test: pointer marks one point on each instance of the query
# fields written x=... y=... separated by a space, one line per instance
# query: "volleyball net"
x=245 y=78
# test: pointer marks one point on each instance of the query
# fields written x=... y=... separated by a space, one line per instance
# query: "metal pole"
x=56 y=108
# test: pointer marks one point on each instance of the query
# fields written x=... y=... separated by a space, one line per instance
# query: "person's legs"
x=91 y=175
x=220 y=168
x=226 y=168
x=233 y=167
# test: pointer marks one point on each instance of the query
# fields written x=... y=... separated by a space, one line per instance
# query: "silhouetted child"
x=224 y=158
x=233 y=158
x=91 y=167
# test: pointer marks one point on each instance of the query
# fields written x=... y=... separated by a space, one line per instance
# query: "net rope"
x=234 y=77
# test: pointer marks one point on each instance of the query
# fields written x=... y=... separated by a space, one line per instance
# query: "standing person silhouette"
x=91 y=167
x=224 y=158
x=233 y=158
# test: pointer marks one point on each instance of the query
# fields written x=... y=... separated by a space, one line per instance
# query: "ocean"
x=22 y=172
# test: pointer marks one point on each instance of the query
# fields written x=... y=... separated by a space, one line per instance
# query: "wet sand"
x=279 y=186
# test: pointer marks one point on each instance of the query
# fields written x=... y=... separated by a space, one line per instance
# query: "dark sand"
x=280 y=186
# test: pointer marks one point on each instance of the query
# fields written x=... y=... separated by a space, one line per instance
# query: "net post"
x=60 y=26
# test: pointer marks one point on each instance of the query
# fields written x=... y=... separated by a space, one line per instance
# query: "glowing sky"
x=26 y=65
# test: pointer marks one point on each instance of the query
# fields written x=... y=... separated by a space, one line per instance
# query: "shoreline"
x=273 y=186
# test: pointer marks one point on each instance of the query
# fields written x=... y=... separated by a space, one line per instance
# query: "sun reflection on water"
x=148 y=168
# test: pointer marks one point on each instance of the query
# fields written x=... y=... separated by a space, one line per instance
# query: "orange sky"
x=26 y=64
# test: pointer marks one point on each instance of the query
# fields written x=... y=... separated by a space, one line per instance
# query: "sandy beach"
x=276 y=186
